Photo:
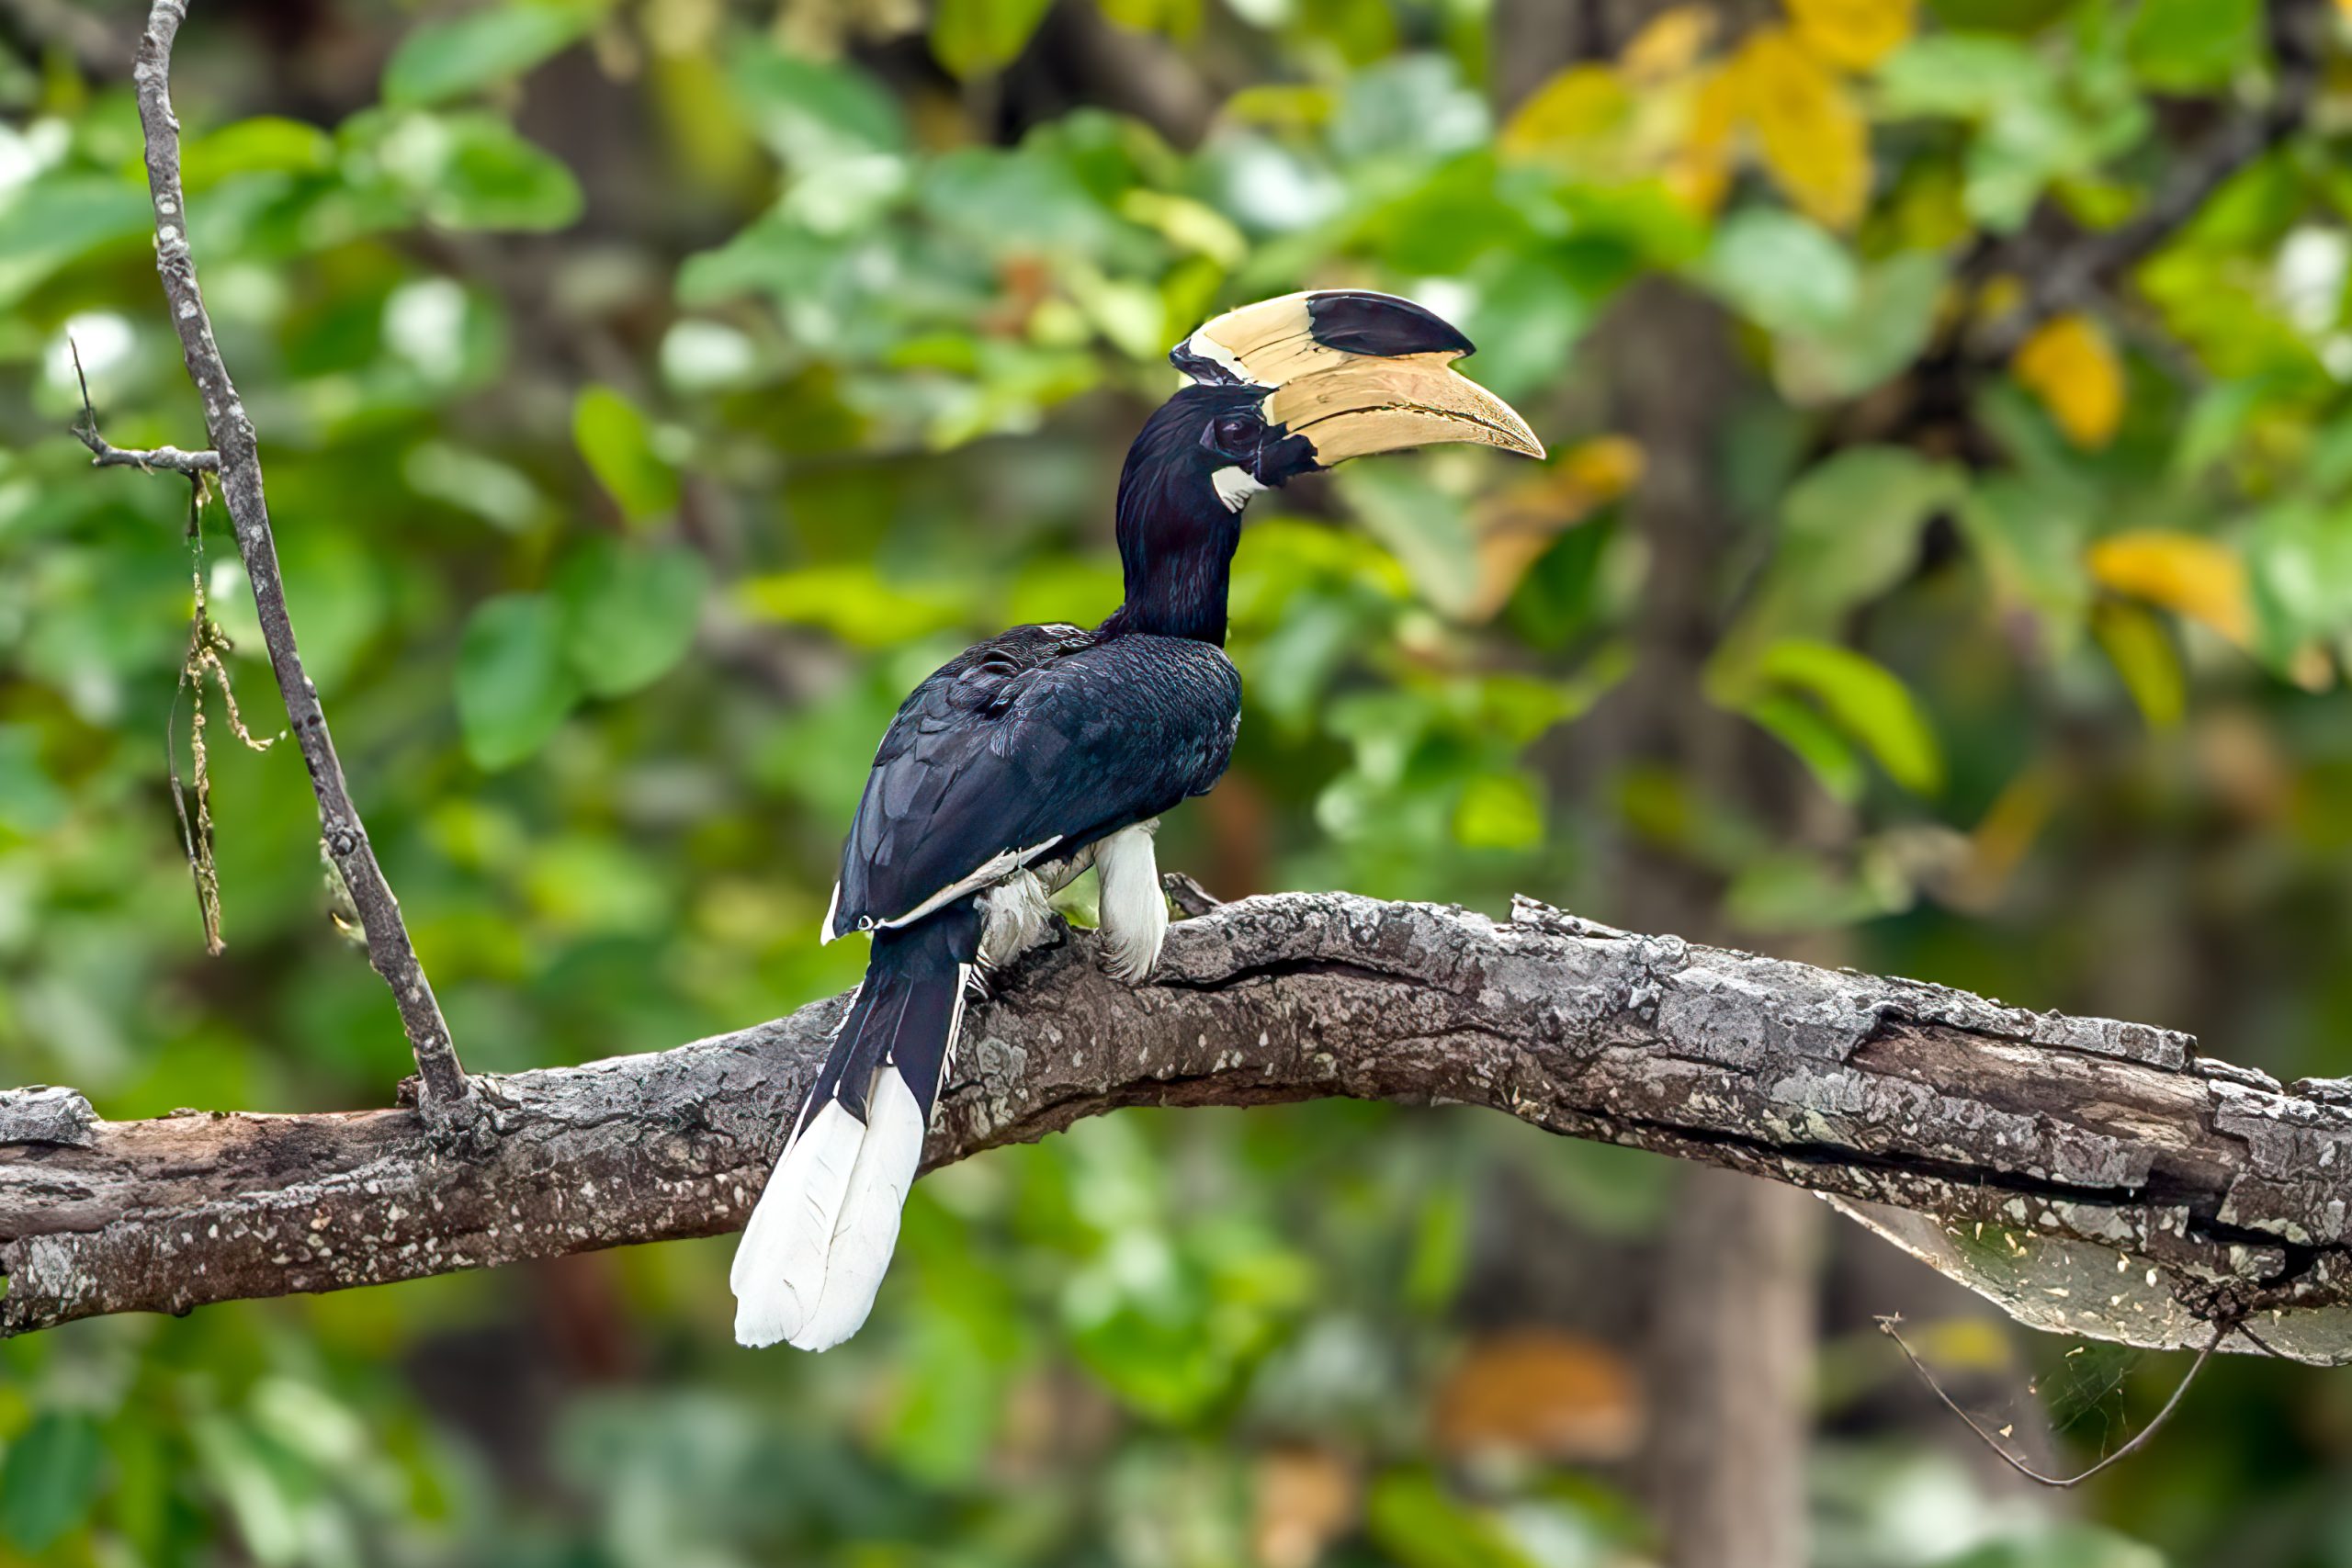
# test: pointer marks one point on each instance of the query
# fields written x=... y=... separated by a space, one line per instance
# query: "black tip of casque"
x=1359 y=321
x=1205 y=371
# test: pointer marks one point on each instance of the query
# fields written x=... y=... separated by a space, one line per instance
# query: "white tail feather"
x=779 y=1270
x=814 y=1287
x=867 y=1230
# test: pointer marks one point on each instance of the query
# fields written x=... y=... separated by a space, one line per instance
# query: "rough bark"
x=2178 y=1187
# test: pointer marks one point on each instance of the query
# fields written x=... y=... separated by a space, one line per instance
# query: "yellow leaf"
x=1306 y=1497
x=1667 y=46
x=1855 y=34
x=1698 y=172
x=2184 y=572
x=1541 y=1392
x=1516 y=525
x=2068 y=363
x=1578 y=105
x=1815 y=143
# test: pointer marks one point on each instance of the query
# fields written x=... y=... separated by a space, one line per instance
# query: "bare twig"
x=2108 y=1149
x=239 y=460
x=1889 y=1326
x=104 y=454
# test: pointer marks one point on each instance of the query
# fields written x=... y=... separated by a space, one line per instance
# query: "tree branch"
x=2093 y=1176
x=236 y=456
x=2069 y=275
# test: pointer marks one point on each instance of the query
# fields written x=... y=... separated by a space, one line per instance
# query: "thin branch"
x=2099 y=1178
x=104 y=454
x=2072 y=274
x=239 y=460
x=1888 y=1326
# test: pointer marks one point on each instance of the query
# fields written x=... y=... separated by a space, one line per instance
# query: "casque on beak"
x=1350 y=372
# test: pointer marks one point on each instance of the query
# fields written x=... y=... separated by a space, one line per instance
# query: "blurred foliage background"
x=651 y=391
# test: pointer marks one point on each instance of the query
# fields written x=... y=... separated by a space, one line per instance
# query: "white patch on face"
x=1234 y=487
x=1207 y=347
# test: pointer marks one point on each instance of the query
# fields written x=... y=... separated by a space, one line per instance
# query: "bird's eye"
x=1235 y=431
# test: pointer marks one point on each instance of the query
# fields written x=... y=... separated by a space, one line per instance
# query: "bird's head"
x=1279 y=388
x=1292 y=385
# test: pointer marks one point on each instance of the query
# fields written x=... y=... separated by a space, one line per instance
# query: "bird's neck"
x=1176 y=543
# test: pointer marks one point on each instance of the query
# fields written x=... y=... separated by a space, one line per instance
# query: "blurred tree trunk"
x=1731 y=1356
x=1730 y=1351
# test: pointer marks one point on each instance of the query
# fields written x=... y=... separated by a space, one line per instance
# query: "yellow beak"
x=1355 y=373
x=1386 y=405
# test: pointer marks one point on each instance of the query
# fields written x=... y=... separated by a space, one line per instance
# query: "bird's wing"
x=1038 y=741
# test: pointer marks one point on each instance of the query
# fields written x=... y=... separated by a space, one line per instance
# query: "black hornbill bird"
x=1036 y=755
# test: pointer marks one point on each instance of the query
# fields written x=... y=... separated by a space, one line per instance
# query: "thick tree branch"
x=2094 y=1177
x=236 y=456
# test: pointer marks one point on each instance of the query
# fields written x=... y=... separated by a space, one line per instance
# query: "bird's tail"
x=812 y=1257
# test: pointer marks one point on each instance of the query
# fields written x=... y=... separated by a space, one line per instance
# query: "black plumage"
x=1041 y=740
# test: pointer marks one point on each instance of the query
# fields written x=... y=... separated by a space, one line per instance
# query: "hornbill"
x=1038 y=754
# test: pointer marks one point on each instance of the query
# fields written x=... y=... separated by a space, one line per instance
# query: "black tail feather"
x=905 y=1010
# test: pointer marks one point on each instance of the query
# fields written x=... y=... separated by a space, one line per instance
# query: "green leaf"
x=1849 y=526
x=1868 y=702
x=514 y=686
x=2030 y=534
x=30 y=801
x=1781 y=271
x=854 y=603
x=810 y=112
x=51 y=1477
x=439 y=60
x=1794 y=891
x=1498 y=811
x=2030 y=129
x=1022 y=201
x=629 y=615
x=57 y=220
x=1427 y=529
x=2047 y=1545
x=1802 y=728
x=469 y=169
x=2142 y=653
x=1412 y=1520
x=970 y=37
x=2188 y=45
x=1849 y=531
x=263 y=144
x=1441 y=1252
x=1894 y=312
x=616 y=441
x=2298 y=565
x=1960 y=75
